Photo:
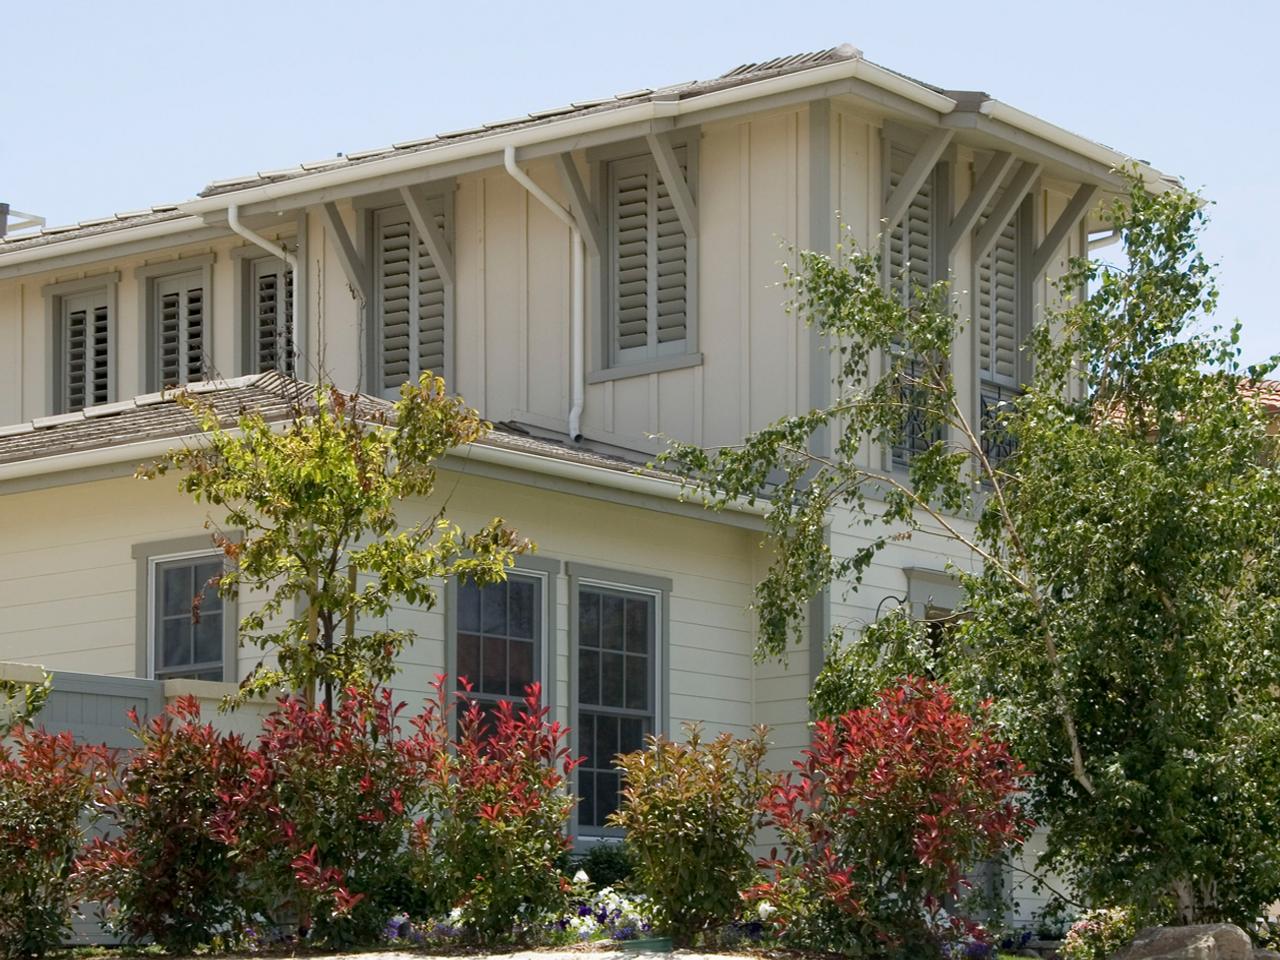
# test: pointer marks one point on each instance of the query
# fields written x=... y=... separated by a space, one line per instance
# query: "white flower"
x=766 y=909
x=581 y=877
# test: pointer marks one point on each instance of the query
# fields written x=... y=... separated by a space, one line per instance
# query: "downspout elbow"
x=276 y=250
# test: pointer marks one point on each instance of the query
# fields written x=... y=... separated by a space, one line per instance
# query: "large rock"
x=1266 y=955
x=1209 y=941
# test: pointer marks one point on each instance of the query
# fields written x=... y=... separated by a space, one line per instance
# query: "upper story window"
x=649 y=263
x=82 y=320
x=176 y=321
x=413 y=304
x=1001 y=325
x=267 y=316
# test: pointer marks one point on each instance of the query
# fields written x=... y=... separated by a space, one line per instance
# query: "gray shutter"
x=910 y=258
x=272 y=316
x=412 y=302
x=650 y=259
x=998 y=309
x=180 y=330
x=86 y=351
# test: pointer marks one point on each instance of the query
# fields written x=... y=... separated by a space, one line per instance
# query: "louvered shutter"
x=910 y=255
x=180 y=330
x=998 y=332
x=86 y=351
x=412 y=302
x=272 y=303
x=650 y=261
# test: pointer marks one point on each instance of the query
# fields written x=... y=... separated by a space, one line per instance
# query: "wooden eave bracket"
x=664 y=156
x=416 y=201
x=922 y=164
x=1005 y=208
x=1079 y=204
x=584 y=213
x=352 y=264
x=983 y=192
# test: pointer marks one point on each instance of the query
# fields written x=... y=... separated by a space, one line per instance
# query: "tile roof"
x=24 y=240
x=158 y=416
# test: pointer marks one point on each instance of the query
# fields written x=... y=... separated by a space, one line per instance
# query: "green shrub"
x=691 y=811
x=606 y=864
x=48 y=783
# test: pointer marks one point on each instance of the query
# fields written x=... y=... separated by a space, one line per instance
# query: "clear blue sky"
x=115 y=106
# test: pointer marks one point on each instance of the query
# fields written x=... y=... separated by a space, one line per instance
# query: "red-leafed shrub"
x=494 y=844
x=47 y=786
x=325 y=815
x=885 y=810
x=165 y=871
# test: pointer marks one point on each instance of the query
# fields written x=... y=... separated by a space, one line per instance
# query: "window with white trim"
x=616 y=690
x=649 y=275
x=499 y=637
x=188 y=620
x=178 y=334
x=85 y=349
x=268 y=319
x=413 y=305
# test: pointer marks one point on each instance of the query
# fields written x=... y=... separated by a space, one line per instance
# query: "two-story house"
x=588 y=277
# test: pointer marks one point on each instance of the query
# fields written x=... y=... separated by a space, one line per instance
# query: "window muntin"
x=179 y=330
x=616 y=654
x=649 y=264
x=269 y=333
x=499 y=637
x=413 y=305
x=188 y=637
x=85 y=349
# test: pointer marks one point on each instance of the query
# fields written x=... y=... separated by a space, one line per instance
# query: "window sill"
x=657 y=365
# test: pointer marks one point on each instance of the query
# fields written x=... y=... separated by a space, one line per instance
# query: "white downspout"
x=276 y=250
x=577 y=388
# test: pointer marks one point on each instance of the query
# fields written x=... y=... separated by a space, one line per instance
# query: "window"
x=616 y=632
x=81 y=321
x=910 y=266
x=499 y=637
x=188 y=628
x=1000 y=329
x=184 y=629
x=649 y=264
x=175 y=308
x=268 y=317
x=413 y=308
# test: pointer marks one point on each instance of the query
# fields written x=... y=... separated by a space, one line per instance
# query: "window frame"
x=659 y=589
x=149 y=277
x=247 y=259
x=369 y=209
x=148 y=556
x=605 y=365
x=56 y=296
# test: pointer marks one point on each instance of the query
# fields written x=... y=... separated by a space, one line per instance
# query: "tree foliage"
x=1125 y=614
x=309 y=520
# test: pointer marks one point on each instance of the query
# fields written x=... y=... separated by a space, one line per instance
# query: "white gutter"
x=98 y=241
x=577 y=348
x=534 y=133
x=997 y=110
x=281 y=253
x=147 y=450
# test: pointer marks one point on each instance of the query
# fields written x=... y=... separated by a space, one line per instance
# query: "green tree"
x=309 y=520
x=1125 y=616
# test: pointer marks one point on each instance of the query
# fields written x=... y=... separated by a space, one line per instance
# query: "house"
x=588 y=277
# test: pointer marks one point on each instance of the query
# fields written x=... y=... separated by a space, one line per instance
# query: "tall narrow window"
x=179 y=330
x=1000 y=328
x=910 y=266
x=499 y=638
x=616 y=701
x=414 y=305
x=649 y=269
x=269 y=339
x=188 y=619
x=85 y=350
